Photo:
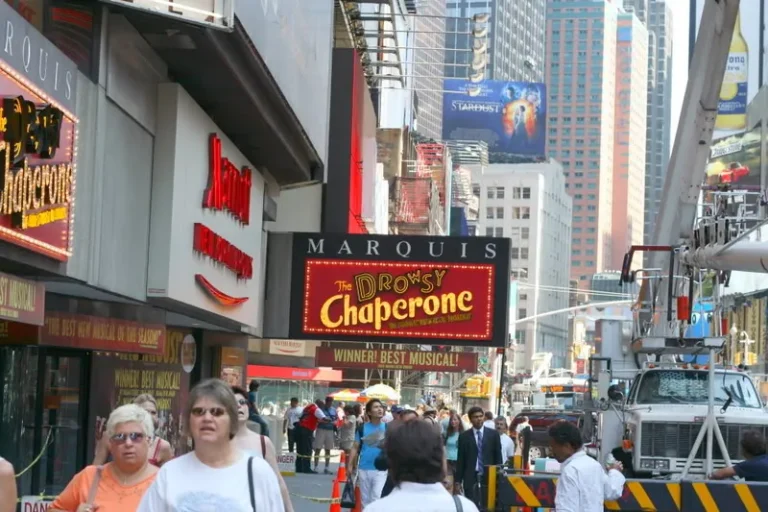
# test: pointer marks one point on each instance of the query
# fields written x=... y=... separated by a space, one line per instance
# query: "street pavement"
x=303 y=487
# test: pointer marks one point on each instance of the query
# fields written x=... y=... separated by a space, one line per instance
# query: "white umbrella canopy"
x=380 y=391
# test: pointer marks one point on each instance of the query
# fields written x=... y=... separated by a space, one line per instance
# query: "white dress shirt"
x=413 y=497
x=490 y=424
x=507 y=448
x=584 y=486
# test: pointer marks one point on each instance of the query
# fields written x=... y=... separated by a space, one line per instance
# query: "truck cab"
x=666 y=407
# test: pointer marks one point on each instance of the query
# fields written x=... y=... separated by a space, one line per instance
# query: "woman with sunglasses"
x=256 y=444
x=216 y=475
x=119 y=485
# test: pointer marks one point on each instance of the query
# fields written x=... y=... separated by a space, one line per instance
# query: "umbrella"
x=345 y=395
x=382 y=392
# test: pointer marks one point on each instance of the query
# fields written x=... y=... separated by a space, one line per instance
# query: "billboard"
x=209 y=13
x=509 y=116
x=742 y=76
x=400 y=289
x=415 y=360
x=735 y=161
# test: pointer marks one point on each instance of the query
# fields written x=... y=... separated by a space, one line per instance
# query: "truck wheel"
x=536 y=452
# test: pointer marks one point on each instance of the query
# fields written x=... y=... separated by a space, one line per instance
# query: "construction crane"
x=691 y=239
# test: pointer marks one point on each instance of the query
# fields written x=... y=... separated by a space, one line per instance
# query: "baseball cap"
x=396 y=409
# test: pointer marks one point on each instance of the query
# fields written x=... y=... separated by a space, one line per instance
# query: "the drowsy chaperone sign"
x=445 y=290
x=396 y=359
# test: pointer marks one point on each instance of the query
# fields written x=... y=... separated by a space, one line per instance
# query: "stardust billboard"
x=509 y=116
x=400 y=289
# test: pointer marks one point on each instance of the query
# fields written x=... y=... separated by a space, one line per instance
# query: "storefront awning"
x=256 y=371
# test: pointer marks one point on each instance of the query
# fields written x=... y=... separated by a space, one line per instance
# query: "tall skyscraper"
x=516 y=31
x=657 y=17
x=428 y=68
x=581 y=45
x=629 y=137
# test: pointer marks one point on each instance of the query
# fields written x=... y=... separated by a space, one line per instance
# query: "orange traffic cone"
x=358 y=501
x=341 y=476
x=335 y=498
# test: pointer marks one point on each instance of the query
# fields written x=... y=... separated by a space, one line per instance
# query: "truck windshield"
x=691 y=387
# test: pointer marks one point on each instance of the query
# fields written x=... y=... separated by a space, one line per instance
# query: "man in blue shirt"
x=754 y=467
x=369 y=439
x=253 y=397
x=324 y=435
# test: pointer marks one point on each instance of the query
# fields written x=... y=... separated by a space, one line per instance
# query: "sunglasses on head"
x=215 y=411
x=121 y=438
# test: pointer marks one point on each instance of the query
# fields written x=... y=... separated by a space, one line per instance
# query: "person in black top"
x=754 y=467
x=479 y=447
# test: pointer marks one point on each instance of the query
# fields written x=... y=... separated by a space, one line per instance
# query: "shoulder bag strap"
x=263 y=447
x=250 y=483
x=457 y=502
x=94 y=486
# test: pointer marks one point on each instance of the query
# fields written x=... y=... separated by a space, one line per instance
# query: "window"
x=514 y=253
x=525 y=212
x=522 y=296
x=488 y=231
x=491 y=192
x=499 y=232
x=523 y=253
x=489 y=213
x=526 y=192
x=500 y=193
x=525 y=233
x=500 y=212
x=522 y=313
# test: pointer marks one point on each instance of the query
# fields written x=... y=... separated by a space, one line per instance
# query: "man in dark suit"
x=479 y=447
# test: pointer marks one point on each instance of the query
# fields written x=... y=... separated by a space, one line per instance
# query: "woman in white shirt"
x=216 y=475
x=415 y=455
x=7 y=487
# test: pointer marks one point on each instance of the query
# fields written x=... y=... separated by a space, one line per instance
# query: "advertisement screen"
x=509 y=116
x=735 y=162
x=741 y=80
x=400 y=289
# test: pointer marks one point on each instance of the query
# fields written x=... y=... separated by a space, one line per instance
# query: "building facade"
x=428 y=63
x=657 y=17
x=516 y=31
x=159 y=279
x=629 y=138
x=581 y=45
x=529 y=204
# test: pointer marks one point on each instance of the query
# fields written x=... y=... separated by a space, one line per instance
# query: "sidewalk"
x=304 y=486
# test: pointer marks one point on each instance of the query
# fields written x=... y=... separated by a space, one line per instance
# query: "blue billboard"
x=509 y=116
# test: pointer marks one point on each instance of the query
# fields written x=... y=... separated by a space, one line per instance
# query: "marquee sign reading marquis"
x=399 y=289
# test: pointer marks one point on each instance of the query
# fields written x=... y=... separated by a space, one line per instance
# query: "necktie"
x=479 y=466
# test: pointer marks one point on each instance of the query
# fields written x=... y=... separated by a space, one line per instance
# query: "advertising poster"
x=509 y=116
x=735 y=161
x=741 y=80
x=118 y=378
x=400 y=289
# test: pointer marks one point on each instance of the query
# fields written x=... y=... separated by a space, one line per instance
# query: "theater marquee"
x=434 y=290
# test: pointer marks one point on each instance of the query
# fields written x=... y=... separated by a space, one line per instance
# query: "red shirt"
x=308 y=418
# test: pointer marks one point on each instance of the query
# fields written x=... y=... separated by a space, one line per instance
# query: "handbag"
x=348 y=495
x=250 y=484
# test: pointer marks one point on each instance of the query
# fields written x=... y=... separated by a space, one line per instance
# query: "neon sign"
x=228 y=188
x=221 y=251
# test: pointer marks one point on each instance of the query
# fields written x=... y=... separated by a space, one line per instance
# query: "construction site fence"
x=537 y=492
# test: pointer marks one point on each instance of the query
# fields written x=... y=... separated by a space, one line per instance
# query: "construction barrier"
x=638 y=495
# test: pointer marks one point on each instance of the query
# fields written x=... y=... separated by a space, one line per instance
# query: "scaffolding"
x=415 y=207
